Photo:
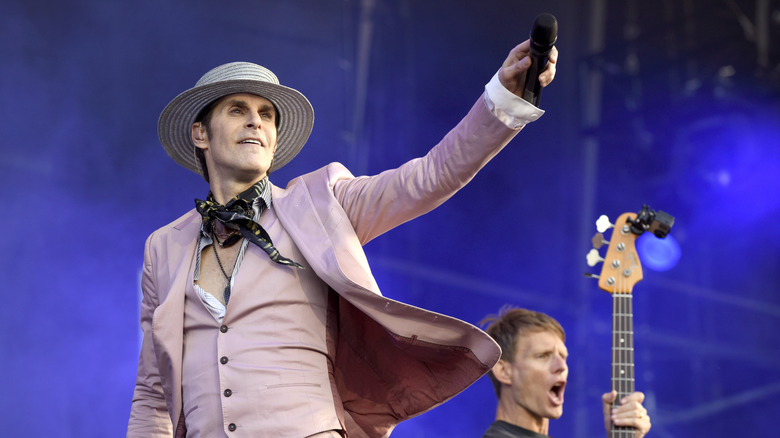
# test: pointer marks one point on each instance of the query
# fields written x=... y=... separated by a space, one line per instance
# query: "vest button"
x=223 y=360
x=232 y=427
x=223 y=329
x=228 y=393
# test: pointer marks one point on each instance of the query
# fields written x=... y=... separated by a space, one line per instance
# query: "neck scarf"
x=237 y=214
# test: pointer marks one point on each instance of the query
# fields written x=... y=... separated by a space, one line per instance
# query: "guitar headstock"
x=621 y=268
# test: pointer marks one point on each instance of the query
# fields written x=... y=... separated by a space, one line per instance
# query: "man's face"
x=242 y=138
x=537 y=376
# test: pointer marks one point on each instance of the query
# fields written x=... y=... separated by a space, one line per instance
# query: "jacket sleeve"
x=376 y=204
x=149 y=413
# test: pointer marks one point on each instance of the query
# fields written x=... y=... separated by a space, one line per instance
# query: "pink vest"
x=265 y=371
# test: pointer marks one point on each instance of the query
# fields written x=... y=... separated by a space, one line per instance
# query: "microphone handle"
x=532 y=92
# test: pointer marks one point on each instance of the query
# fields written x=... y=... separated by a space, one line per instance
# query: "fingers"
x=626 y=414
x=519 y=52
x=630 y=412
x=607 y=398
x=638 y=419
x=517 y=63
x=630 y=406
x=548 y=74
x=512 y=73
x=637 y=396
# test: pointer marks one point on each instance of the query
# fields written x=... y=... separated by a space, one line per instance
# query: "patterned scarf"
x=238 y=212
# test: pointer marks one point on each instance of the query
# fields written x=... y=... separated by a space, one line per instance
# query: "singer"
x=260 y=314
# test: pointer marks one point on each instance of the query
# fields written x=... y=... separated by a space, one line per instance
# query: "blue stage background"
x=659 y=103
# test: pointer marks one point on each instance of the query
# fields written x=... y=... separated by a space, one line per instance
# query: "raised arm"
x=381 y=202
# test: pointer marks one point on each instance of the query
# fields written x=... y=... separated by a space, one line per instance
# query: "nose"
x=253 y=120
x=560 y=364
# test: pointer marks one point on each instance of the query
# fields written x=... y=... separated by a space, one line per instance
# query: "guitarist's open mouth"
x=556 y=392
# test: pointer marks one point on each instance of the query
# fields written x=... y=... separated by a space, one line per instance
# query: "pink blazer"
x=393 y=360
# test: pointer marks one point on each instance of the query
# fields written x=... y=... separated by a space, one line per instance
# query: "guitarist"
x=530 y=378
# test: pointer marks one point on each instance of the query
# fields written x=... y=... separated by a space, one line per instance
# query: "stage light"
x=658 y=254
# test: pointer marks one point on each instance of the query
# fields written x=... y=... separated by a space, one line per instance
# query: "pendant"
x=226 y=293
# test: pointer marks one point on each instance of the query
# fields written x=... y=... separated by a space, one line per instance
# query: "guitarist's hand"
x=629 y=413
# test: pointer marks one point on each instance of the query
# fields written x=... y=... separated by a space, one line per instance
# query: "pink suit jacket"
x=393 y=361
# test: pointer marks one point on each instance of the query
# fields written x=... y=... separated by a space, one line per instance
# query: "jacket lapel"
x=324 y=236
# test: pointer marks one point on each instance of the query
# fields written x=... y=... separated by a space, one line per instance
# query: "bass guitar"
x=621 y=270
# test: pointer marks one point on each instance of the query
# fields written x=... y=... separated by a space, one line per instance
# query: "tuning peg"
x=593 y=257
x=598 y=240
x=603 y=224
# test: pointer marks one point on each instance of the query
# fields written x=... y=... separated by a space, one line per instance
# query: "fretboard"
x=622 y=354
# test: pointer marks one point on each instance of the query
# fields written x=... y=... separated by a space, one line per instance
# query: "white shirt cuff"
x=512 y=110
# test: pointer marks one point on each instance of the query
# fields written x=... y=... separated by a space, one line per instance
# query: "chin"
x=251 y=173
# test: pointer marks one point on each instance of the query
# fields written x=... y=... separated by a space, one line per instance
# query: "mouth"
x=251 y=141
x=556 y=393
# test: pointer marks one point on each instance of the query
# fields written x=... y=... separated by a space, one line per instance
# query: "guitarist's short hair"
x=512 y=322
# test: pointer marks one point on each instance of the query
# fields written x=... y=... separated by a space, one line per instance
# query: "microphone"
x=543 y=35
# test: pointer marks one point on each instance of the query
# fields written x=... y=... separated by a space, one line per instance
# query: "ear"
x=199 y=135
x=502 y=372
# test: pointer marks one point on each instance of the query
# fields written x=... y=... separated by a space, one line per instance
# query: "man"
x=260 y=314
x=530 y=378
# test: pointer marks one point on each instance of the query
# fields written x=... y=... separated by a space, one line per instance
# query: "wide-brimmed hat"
x=296 y=115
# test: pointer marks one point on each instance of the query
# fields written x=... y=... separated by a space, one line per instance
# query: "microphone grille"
x=545 y=30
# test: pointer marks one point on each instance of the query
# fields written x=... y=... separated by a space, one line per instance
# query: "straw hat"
x=296 y=115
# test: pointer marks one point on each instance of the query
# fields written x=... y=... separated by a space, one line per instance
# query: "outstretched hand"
x=513 y=71
x=630 y=412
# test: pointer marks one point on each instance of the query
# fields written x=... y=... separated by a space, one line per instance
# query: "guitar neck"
x=621 y=270
x=622 y=354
